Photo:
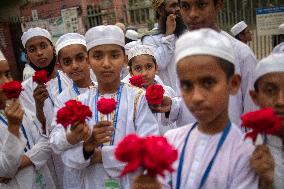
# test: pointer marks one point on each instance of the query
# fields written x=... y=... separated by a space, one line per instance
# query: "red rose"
x=263 y=121
x=153 y=153
x=40 y=77
x=159 y=155
x=154 y=94
x=129 y=150
x=73 y=112
x=137 y=81
x=12 y=89
x=106 y=105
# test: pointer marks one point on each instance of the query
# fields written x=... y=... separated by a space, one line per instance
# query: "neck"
x=108 y=88
x=53 y=74
x=214 y=27
x=215 y=126
x=84 y=83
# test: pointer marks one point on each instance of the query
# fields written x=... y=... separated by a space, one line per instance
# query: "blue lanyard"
x=59 y=83
x=23 y=130
x=76 y=89
x=116 y=110
x=209 y=167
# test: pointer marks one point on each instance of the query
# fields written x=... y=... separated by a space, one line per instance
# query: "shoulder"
x=169 y=91
x=177 y=134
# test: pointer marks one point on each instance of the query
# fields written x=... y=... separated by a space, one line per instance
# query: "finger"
x=105 y=140
x=103 y=124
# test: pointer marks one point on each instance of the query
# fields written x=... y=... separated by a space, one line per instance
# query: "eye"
x=185 y=6
x=115 y=55
x=97 y=56
x=80 y=58
x=270 y=90
x=67 y=61
x=43 y=45
x=208 y=83
x=186 y=86
x=138 y=68
x=149 y=66
x=201 y=5
x=31 y=50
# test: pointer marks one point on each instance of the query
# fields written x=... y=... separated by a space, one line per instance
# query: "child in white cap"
x=242 y=32
x=39 y=99
x=141 y=61
x=95 y=156
x=269 y=93
x=24 y=148
x=212 y=151
x=280 y=47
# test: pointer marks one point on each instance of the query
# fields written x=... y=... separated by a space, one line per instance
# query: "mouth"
x=195 y=26
x=107 y=73
x=42 y=60
x=199 y=112
x=78 y=73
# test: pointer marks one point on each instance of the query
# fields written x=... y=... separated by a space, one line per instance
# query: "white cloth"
x=231 y=168
x=130 y=45
x=69 y=39
x=28 y=72
x=238 y=28
x=281 y=29
x=164 y=47
x=140 y=50
x=2 y=57
x=103 y=35
x=141 y=122
x=271 y=64
x=276 y=148
x=245 y=62
x=279 y=48
x=11 y=150
x=34 y=32
x=204 y=42
x=132 y=34
x=165 y=124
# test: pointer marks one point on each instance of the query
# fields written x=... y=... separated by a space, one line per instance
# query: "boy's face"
x=198 y=14
x=39 y=51
x=270 y=93
x=205 y=87
x=107 y=62
x=73 y=60
x=5 y=77
x=144 y=65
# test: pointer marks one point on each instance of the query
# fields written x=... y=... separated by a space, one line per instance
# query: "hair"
x=256 y=85
x=130 y=62
x=238 y=37
x=227 y=67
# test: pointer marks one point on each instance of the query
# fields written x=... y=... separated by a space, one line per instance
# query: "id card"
x=39 y=180
x=112 y=184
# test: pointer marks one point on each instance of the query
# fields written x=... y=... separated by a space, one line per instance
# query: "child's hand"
x=14 y=113
x=263 y=163
x=78 y=132
x=97 y=157
x=164 y=107
x=170 y=24
x=103 y=132
x=40 y=95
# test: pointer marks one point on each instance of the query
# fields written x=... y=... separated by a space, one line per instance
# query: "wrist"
x=14 y=130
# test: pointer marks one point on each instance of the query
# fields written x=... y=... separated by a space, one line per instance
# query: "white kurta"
x=165 y=124
x=279 y=48
x=28 y=102
x=140 y=121
x=246 y=62
x=28 y=72
x=164 y=54
x=11 y=150
x=231 y=169
x=276 y=147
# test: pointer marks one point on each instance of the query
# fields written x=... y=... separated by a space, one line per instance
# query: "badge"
x=112 y=184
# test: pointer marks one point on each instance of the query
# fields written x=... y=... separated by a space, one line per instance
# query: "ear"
x=156 y=66
x=254 y=96
x=234 y=83
x=219 y=5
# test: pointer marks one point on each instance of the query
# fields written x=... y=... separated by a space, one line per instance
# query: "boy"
x=141 y=61
x=269 y=93
x=212 y=152
x=24 y=149
x=95 y=161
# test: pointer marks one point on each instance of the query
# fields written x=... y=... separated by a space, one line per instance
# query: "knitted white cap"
x=69 y=39
x=238 y=28
x=140 y=50
x=34 y=32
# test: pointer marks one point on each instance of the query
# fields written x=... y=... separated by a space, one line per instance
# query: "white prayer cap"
x=104 y=35
x=140 y=50
x=271 y=64
x=204 y=42
x=132 y=34
x=34 y=32
x=69 y=39
x=281 y=29
x=238 y=28
x=2 y=57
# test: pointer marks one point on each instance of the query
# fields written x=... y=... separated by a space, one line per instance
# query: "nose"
x=193 y=13
x=74 y=65
x=39 y=52
x=197 y=96
x=280 y=99
x=106 y=62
